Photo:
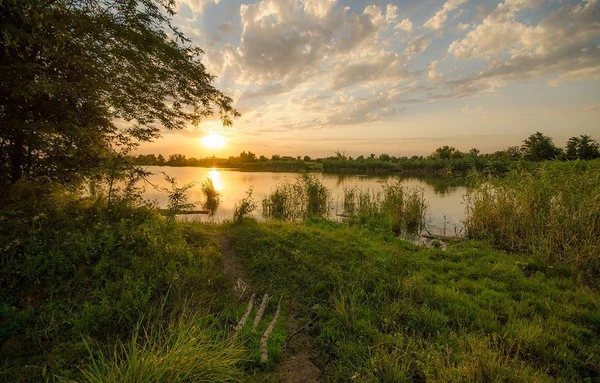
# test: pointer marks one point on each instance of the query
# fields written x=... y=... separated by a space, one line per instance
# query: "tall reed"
x=213 y=197
x=552 y=212
x=394 y=207
x=307 y=197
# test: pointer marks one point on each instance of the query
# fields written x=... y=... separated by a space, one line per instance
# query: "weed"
x=213 y=197
x=244 y=207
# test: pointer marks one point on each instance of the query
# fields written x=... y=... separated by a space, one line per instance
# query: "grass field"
x=100 y=292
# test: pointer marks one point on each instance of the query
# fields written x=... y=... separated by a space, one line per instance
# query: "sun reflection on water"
x=215 y=176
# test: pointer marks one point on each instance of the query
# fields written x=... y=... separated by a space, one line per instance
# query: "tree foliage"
x=82 y=79
x=582 y=147
x=538 y=147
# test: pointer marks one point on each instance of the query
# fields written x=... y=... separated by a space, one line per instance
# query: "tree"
x=539 y=147
x=82 y=80
x=444 y=152
x=582 y=147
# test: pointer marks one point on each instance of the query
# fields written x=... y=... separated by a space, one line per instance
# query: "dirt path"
x=296 y=365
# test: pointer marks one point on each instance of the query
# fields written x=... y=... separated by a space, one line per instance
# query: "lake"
x=446 y=207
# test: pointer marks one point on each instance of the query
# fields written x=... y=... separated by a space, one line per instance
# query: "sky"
x=314 y=77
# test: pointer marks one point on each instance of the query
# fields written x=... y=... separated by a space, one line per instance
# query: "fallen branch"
x=264 y=354
x=242 y=321
x=260 y=312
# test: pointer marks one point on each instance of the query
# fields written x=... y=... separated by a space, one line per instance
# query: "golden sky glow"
x=213 y=141
x=397 y=77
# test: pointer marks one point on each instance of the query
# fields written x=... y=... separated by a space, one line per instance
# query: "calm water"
x=446 y=205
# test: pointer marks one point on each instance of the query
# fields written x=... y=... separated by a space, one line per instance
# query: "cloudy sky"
x=403 y=77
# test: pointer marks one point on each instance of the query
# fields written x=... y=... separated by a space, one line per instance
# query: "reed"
x=307 y=197
x=213 y=197
x=396 y=208
x=552 y=212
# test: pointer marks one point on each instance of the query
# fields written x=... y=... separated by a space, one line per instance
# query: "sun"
x=213 y=141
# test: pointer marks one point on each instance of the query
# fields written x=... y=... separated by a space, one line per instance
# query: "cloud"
x=417 y=46
x=563 y=43
x=197 y=6
x=467 y=110
x=391 y=13
x=405 y=25
x=225 y=27
x=432 y=75
x=436 y=22
x=377 y=67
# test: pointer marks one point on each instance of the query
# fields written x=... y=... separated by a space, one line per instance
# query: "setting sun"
x=213 y=141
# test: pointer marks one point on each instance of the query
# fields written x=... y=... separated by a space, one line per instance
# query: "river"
x=445 y=199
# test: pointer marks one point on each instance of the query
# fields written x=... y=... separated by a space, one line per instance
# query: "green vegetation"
x=82 y=277
x=244 y=207
x=59 y=112
x=307 y=197
x=93 y=291
x=395 y=209
x=97 y=286
x=386 y=310
x=213 y=197
x=445 y=160
x=552 y=212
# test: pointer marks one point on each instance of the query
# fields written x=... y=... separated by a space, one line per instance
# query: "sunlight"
x=215 y=176
x=214 y=141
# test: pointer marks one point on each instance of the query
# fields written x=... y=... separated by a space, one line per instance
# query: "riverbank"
x=98 y=292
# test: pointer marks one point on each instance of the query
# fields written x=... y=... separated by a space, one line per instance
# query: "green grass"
x=552 y=212
x=97 y=292
x=80 y=275
x=388 y=311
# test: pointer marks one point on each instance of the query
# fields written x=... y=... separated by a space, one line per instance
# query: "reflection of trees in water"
x=440 y=184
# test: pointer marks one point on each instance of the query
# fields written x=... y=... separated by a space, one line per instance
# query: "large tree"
x=582 y=147
x=79 y=79
x=539 y=147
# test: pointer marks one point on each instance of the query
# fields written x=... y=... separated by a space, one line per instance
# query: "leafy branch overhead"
x=81 y=78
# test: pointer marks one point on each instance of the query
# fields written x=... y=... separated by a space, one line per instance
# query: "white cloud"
x=436 y=22
x=563 y=43
x=391 y=13
x=197 y=6
x=405 y=25
x=432 y=75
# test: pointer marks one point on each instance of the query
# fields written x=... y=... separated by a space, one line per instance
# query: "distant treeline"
x=446 y=159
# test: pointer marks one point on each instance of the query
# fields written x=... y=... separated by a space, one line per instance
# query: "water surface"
x=446 y=210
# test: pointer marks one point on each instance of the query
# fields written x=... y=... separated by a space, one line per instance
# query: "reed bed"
x=213 y=197
x=307 y=197
x=552 y=212
x=394 y=207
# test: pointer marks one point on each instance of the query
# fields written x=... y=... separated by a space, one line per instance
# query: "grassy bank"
x=95 y=292
x=552 y=212
x=82 y=279
x=385 y=310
